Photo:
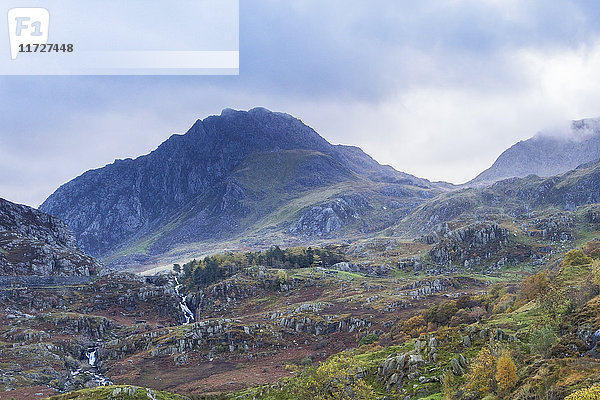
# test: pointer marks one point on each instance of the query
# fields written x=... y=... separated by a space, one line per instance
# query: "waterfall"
x=595 y=344
x=187 y=313
x=94 y=372
x=91 y=356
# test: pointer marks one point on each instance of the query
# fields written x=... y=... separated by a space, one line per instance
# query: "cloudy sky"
x=434 y=88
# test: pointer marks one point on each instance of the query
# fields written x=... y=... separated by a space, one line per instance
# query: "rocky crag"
x=33 y=243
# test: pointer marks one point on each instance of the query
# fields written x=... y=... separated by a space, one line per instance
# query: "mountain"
x=511 y=198
x=546 y=154
x=257 y=177
x=35 y=243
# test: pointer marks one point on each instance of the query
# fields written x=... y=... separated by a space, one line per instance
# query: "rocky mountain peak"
x=225 y=174
x=548 y=153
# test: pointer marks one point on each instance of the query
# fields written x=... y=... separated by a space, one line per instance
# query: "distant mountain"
x=546 y=155
x=34 y=243
x=257 y=177
x=508 y=199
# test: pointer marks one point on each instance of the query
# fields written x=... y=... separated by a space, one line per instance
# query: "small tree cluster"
x=488 y=375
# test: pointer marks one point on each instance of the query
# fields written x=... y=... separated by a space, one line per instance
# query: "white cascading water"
x=92 y=356
x=187 y=313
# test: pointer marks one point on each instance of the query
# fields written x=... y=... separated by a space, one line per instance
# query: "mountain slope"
x=511 y=197
x=241 y=172
x=545 y=155
x=34 y=243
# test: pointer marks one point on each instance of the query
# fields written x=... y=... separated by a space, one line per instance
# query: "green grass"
x=436 y=396
x=271 y=171
x=518 y=321
x=352 y=275
x=120 y=392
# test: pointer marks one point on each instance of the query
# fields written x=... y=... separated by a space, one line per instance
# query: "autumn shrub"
x=463 y=317
x=576 y=257
x=534 y=286
x=504 y=304
x=415 y=326
x=441 y=314
x=592 y=249
x=592 y=393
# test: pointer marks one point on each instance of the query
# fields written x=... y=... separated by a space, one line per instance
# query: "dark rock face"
x=545 y=155
x=207 y=184
x=34 y=243
x=325 y=219
x=559 y=227
x=468 y=246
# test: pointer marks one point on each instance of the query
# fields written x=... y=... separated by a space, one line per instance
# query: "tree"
x=177 y=268
x=506 y=373
x=316 y=261
x=534 y=286
x=309 y=256
x=480 y=378
x=542 y=340
x=449 y=386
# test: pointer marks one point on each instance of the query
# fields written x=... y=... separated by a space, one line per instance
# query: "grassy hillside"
x=118 y=393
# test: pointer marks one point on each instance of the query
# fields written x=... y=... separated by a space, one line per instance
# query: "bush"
x=441 y=313
x=462 y=317
x=576 y=257
x=542 y=340
x=415 y=326
x=592 y=249
x=369 y=338
x=592 y=393
x=504 y=304
x=533 y=287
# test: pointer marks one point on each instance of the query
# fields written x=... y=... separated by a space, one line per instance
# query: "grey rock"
x=33 y=243
x=546 y=154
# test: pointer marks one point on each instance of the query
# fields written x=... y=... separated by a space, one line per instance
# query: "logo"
x=27 y=26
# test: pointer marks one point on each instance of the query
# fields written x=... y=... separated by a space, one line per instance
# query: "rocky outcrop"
x=398 y=367
x=322 y=325
x=423 y=363
x=78 y=324
x=325 y=219
x=558 y=227
x=207 y=337
x=593 y=215
x=419 y=289
x=371 y=270
x=248 y=283
x=34 y=243
x=470 y=246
